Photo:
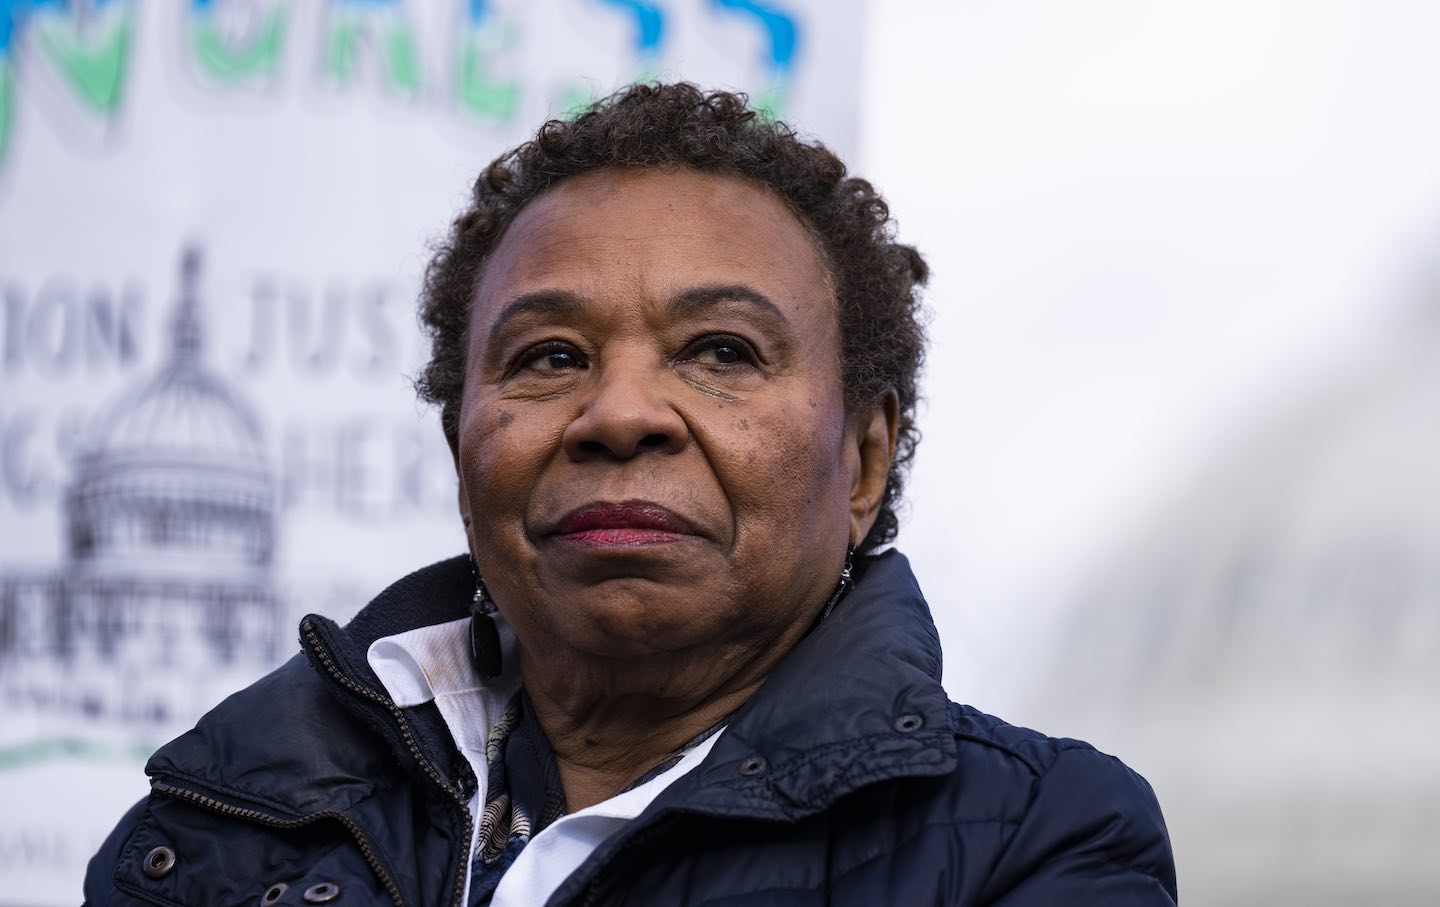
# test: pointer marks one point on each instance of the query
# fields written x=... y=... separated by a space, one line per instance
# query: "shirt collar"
x=433 y=664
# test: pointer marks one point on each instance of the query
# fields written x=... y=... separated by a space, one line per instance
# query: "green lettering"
x=7 y=105
x=770 y=103
x=400 y=58
x=225 y=60
x=403 y=60
x=480 y=93
x=94 y=67
x=340 y=51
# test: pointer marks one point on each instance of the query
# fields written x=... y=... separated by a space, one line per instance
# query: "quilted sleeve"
x=1092 y=834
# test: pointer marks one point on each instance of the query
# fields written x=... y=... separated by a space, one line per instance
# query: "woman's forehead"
x=655 y=232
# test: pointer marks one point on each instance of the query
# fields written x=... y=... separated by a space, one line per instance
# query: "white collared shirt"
x=433 y=663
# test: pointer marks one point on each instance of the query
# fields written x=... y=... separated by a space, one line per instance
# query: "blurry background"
x=1178 y=491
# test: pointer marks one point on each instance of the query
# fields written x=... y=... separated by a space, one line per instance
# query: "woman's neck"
x=605 y=741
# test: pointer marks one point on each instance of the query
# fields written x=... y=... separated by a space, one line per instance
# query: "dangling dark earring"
x=484 y=635
x=847 y=582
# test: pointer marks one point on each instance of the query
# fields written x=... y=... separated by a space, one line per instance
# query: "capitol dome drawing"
x=177 y=470
x=166 y=596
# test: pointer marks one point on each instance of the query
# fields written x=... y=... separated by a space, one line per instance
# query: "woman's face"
x=653 y=447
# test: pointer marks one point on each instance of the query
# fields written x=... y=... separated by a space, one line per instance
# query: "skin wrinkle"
x=627 y=654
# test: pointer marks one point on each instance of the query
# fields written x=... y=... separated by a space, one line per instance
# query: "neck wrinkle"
x=599 y=756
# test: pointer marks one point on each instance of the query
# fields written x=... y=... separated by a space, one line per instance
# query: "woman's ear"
x=876 y=430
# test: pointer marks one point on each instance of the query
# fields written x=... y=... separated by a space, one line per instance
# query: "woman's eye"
x=721 y=351
x=556 y=361
x=552 y=358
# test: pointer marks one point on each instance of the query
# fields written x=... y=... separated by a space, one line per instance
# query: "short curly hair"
x=876 y=278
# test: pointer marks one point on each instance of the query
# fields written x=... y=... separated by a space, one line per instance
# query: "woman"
x=675 y=353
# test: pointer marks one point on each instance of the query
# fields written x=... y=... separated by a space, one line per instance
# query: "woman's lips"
x=628 y=524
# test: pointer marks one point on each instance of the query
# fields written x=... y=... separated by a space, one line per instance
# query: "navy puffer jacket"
x=848 y=779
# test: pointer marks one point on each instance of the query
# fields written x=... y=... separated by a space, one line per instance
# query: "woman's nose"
x=627 y=414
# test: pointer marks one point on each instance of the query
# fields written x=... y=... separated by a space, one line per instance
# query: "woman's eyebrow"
x=559 y=305
x=700 y=300
x=549 y=304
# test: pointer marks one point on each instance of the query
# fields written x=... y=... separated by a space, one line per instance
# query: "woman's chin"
x=626 y=624
x=602 y=564
x=608 y=549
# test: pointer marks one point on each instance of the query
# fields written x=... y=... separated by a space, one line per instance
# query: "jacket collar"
x=857 y=701
x=434 y=595
x=266 y=746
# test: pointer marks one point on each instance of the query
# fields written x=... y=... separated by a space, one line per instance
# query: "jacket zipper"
x=261 y=818
x=457 y=792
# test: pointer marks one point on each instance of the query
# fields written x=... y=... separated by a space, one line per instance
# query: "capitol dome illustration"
x=178 y=469
x=1266 y=656
x=166 y=598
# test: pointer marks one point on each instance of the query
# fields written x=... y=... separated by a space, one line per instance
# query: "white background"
x=1152 y=228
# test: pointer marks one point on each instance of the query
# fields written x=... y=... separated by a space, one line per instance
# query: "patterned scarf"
x=524 y=794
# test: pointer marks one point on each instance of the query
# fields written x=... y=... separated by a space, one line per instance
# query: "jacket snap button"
x=159 y=862
x=323 y=893
x=753 y=766
x=272 y=894
x=907 y=723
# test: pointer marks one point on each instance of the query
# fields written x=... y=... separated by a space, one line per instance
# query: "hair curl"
x=875 y=278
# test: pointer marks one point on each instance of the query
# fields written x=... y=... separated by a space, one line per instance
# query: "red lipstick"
x=627 y=524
